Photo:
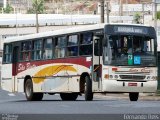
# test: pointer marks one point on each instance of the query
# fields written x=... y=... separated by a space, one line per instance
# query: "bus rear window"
x=7 y=54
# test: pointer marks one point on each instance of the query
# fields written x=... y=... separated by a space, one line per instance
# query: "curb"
x=142 y=96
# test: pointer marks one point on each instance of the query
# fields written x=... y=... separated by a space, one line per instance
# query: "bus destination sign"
x=130 y=29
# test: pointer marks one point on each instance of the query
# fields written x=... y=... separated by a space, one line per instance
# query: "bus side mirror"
x=96 y=38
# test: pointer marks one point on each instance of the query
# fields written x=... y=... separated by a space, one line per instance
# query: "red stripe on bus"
x=22 y=66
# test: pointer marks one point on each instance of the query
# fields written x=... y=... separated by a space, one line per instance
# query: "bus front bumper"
x=129 y=86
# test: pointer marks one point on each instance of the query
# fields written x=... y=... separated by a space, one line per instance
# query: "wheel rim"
x=28 y=90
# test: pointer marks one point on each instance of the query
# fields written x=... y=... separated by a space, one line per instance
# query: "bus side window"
x=47 y=48
x=7 y=53
x=72 y=49
x=86 y=43
x=25 y=51
x=60 y=47
x=37 y=50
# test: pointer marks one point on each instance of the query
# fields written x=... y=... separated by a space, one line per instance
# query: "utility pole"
x=155 y=15
x=121 y=9
x=108 y=11
x=16 y=3
x=102 y=11
x=37 y=25
x=143 y=13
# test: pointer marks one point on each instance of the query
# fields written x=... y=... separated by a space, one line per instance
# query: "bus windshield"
x=130 y=50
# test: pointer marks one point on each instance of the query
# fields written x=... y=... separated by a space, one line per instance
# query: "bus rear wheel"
x=88 y=89
x=69 y=96
x=30 y=95
x=133 y=96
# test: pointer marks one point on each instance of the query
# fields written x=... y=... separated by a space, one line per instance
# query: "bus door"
x=97 y=62
x=14 y=68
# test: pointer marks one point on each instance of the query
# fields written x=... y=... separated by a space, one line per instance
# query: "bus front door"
x=14 y=68
x=97 y=63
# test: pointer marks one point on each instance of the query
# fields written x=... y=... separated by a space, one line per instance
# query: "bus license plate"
x=132 y=84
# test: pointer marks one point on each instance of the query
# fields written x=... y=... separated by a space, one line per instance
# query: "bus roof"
x=62 y=31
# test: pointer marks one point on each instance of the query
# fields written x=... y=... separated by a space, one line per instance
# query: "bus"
x=83 y=60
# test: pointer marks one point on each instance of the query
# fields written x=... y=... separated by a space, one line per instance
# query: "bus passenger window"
x=60 y=47
x=25 y=51
x=72 y=49
x=7 y=54
x=47 y=48
x=36 y=50
x=86 y=44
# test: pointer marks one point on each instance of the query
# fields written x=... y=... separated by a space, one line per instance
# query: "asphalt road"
x=16 y=104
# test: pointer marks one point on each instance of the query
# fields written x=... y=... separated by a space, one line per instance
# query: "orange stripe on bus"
x=51 y=71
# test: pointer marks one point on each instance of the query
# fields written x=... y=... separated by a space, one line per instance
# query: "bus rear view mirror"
x=96 y=38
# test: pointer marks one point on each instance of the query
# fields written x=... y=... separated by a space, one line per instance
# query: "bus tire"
x=133 y=96
x=88 y=89
x=30 y=95
x=69 y=96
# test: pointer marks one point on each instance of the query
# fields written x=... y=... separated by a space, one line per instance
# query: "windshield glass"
x=129 y=50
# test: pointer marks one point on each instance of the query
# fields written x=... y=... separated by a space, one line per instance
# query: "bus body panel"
x=20 y=85
x=53 y=77
x=117 y=86
x=129 y=79
x=7 y=80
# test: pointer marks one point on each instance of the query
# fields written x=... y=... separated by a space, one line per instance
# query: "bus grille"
x=132 y=77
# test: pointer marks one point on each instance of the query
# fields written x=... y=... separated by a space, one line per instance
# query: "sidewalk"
x=142 y=96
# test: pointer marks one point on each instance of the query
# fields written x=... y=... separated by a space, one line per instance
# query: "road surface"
x=16 y=104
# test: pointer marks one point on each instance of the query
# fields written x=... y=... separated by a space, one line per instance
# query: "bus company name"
x=26 y=66
x=144 y=70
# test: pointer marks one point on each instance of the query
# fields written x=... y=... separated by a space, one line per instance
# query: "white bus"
x=83 y=60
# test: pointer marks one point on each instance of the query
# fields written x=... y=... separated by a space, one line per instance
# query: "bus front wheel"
x=30 y=95
x=88 y=89
x=133 y=96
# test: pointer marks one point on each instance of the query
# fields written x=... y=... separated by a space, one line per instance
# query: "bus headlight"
x=154 y=78
x=116 y=76
x=151 y=77
x=148 y=77
x=111 y=76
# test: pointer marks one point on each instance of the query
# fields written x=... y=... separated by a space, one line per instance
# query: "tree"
x=137 y=18
x=158 y=15
x=37 y=8
x=8 y=9
x=37 y=5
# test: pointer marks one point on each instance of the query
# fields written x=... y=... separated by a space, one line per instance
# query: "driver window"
x=148 y=45
x=114 y=44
